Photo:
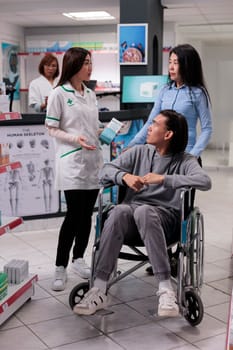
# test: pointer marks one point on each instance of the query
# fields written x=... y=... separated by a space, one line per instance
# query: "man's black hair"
x=177 y=123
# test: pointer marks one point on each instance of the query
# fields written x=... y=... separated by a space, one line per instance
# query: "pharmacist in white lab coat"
x=40 y=88
x=72 y=119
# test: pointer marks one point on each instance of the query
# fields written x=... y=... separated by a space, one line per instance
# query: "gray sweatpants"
x=154 y=224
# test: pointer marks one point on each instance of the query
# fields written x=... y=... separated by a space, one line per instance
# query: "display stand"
x=8 y=223
x=17 y=294
x=10 y=115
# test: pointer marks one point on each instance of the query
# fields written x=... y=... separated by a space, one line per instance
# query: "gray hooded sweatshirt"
x=181 y=170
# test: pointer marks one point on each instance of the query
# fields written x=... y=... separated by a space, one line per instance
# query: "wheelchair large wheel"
x=194 y=308
x=196 y=248
x=77 y=293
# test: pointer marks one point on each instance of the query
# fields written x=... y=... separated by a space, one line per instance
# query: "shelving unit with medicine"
x=13 y=295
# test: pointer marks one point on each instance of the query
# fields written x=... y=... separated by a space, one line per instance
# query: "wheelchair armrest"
x=105 y=207
x=100 y=197
x=101 y=204
x=186 y=204
x=120 y=194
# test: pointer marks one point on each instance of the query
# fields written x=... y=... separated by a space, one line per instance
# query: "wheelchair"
x=186 y=258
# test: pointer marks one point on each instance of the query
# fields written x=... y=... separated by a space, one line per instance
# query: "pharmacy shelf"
x=10 y=115
x=17 y=295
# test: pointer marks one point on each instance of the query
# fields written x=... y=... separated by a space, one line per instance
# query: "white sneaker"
x=93 y=300
x=80 y=267
x=60 y=278
x=167 y=303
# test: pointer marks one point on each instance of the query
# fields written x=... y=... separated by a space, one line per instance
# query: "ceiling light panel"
x=90 y=15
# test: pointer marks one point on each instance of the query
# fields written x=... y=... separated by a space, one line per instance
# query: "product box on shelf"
x=16 y=270
x=3 y=285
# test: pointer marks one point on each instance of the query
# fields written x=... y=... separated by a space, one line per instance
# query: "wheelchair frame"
x=189 y=256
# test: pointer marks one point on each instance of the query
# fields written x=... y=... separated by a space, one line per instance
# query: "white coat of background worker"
x=40 y=88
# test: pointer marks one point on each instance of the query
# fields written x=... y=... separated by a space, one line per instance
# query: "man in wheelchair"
x=153 y=175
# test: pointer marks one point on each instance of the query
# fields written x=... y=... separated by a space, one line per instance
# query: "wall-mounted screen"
x=142 y=88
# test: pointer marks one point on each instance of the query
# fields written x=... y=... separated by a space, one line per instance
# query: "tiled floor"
x=47 y=322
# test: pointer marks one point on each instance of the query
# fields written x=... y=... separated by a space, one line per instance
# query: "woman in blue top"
x=187 y=94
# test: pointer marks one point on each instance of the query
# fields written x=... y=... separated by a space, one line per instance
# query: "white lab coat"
x=76 y=167
x=39 y=89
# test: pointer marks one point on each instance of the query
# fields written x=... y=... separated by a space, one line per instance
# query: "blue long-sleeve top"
x=193 y=103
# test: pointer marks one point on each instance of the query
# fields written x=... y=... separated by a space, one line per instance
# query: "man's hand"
x=134 y=182
x=153 y=178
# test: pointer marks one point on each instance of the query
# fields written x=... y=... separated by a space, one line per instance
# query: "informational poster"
x=10 y=68
x=29 y=189
x=132 y=43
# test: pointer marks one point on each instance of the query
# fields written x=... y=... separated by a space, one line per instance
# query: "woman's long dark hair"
x=73 y=61
x=190 y=67
x=177 y=123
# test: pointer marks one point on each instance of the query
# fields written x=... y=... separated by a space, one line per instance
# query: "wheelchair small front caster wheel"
x=194 y=308
x=77 y=293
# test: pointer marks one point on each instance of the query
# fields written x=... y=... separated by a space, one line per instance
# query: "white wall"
x=105 y=64
x=217 y=60
x=10 y=34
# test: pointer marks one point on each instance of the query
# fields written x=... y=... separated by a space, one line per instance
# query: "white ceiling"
x=31 y=13
x=210 y=17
